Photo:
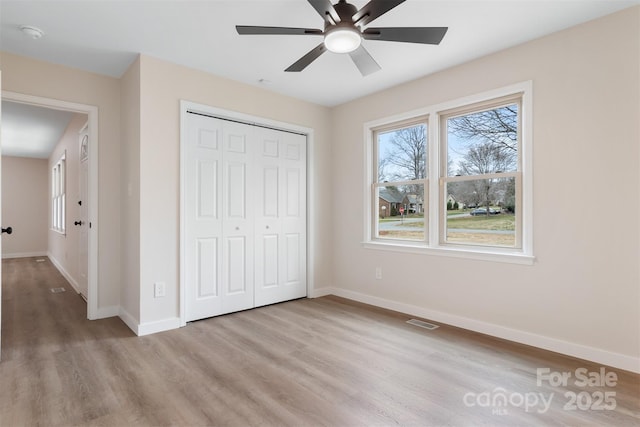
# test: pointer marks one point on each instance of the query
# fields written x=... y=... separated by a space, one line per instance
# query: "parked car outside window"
x=483 y=211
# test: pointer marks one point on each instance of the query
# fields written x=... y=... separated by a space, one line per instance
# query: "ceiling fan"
x=344 y=28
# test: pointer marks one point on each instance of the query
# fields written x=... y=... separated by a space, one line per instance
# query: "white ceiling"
x=30 y=131
x=105 y=37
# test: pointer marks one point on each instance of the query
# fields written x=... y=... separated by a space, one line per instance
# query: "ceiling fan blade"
x=249 y=29
x=364 y=61
x=426 y=35
x=326 y=10
x=303 y=62
x=373 y=10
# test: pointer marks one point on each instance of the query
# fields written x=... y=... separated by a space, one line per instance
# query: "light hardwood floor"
x=320 y=362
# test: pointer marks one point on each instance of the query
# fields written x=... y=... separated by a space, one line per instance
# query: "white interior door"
x=83 y=217
x=280 y=217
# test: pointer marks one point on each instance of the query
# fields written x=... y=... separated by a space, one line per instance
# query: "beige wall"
x=63 y=249
x=25 y=184
x=27 y=76
x=163 y=85
x=582 y=294
x=130 y=195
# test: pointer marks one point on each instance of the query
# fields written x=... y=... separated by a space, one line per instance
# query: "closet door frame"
x=187 y=107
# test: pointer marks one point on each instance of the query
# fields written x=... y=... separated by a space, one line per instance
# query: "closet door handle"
x=77 y=222
x=7 y=230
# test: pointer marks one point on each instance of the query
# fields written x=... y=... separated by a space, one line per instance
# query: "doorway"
x=90 y=203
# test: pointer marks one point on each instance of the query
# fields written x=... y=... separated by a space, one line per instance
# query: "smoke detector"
x=31 y=31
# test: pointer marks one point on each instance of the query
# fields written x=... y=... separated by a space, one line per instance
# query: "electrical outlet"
x=159 y=289
x=379 y=273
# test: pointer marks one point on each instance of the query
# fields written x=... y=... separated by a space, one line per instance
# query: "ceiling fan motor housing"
x=345 y=11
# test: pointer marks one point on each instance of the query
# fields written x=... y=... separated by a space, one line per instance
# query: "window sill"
x=494 y=255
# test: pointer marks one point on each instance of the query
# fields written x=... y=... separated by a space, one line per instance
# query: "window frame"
x=376 y=184
x=435 y=182
x=489 y=105
x=58 y=195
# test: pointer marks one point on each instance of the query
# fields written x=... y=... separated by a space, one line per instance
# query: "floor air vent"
x=57 y=290
x=423 y=324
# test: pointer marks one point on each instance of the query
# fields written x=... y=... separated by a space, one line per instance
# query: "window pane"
x=484 y=212
x=401 y=212
x=483 y=142
x=402 y=154
x=62 y=212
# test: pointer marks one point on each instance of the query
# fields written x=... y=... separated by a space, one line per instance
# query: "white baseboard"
x=23 y=255
x=158 y=326
x=111 y=311
x=597 y=355
x=322 y=292
x=64 y=273
x=148 y=328
x=129 y=320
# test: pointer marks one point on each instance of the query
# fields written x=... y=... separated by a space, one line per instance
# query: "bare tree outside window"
x=407 y=153
x=481 y=143
x=498 y=127
x=482 y=159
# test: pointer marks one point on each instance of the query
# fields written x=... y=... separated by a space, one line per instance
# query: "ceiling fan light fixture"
x=342 y=40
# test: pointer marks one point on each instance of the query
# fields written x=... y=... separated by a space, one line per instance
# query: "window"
x=482 y=174
x=452 y=179
x=58 y=178
x=401 y=179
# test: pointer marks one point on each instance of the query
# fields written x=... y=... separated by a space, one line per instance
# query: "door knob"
x=77 y=222
x=7 y=230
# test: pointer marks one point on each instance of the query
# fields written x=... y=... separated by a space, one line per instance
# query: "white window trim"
x=522 y=255
x=59 y=195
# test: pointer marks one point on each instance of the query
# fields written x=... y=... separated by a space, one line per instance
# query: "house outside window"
x=454 y=179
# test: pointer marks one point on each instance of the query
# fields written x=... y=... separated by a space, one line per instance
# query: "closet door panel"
x=238 y=253
x=292 y=258
x=269 y=271
x=279 y=268
x=294 y=223
x=267 y=230
x=236 y=186
x=293 y=190
x=268 y=198
x=203 y=225
x=207 y=189
x=207 y=268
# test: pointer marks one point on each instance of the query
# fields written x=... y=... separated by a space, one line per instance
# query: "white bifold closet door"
x=280 y=217
x=245 y=216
